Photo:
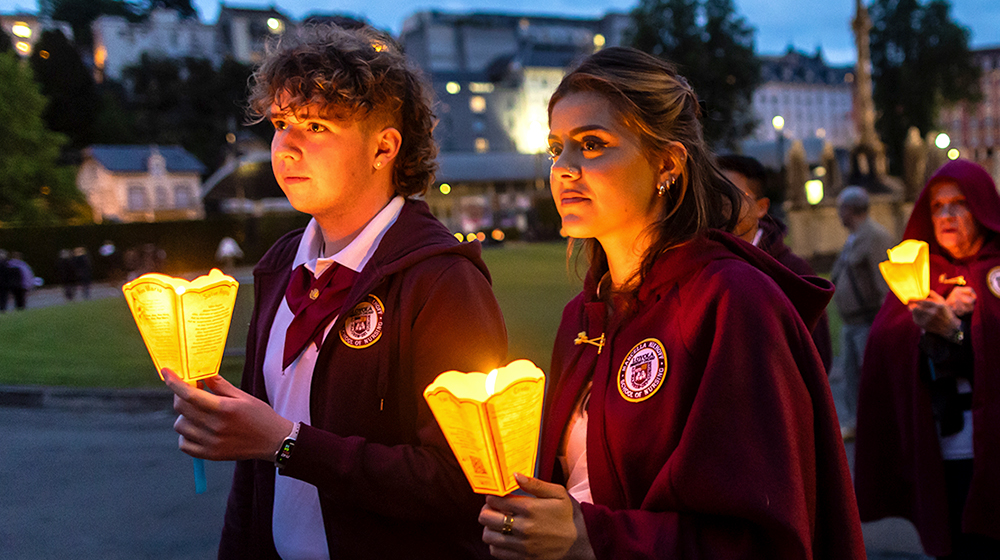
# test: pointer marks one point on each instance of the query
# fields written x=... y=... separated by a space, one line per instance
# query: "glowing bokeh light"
x=814 y=191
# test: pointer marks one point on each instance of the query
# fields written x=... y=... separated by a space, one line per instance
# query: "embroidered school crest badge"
x=363 y=325
x=643 y=371
x=993 y=280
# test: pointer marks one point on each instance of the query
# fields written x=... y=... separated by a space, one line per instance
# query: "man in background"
x=767 y=233
x=860 y=290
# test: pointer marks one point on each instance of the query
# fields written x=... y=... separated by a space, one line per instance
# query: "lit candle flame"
x=491 y=381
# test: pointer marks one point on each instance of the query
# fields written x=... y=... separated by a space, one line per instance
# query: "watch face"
x=284 y=452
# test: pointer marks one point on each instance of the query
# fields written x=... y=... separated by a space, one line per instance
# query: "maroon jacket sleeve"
x=758 y=471
x=456 y=324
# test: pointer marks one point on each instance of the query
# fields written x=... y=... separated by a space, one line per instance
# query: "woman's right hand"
x=547 y=524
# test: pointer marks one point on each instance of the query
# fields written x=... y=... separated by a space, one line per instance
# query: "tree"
x=713 y=48
x=187 y=102
x=920 y=62
x=80 y=14
x=69 y=86
x=183 y=7
x=5 y=44
x=33 y=189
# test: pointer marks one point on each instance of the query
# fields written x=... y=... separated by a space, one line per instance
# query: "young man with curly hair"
x=338 y=455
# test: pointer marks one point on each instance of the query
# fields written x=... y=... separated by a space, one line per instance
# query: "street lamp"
x=778 y=122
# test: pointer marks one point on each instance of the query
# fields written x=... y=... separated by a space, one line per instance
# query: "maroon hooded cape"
x=898 y=467
x=772 y=242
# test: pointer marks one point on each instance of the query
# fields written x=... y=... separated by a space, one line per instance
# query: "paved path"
x=53 y=295
x=103 y=486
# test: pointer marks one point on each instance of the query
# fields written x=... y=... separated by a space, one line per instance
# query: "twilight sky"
x=805 y=24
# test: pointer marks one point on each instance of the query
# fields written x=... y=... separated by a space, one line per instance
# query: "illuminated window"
x=480 y=87
x=136 y=198
x=21 y=29
x=452 y=87
x=482 y=145
x=275 y=26
x=100 y=55
x=477 y=104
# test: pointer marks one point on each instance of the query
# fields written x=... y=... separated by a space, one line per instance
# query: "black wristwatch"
x=284 y=452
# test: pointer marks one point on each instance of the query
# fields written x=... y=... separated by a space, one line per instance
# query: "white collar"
x=357 y=253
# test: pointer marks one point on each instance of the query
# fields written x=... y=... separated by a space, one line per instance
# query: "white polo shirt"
x=297 y=522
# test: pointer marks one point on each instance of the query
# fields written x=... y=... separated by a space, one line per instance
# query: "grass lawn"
x=92 y=343
x=533 y=285
x=96 y=342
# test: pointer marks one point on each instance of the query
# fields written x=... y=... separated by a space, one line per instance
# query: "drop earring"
x=662 y=189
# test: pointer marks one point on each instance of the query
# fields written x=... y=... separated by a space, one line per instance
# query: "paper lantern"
x=184 y=324
x=491 y=421
x=908 y=270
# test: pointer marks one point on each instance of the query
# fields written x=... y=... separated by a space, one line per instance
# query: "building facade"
x=119 y=43
x=975 y=128
x=141 y=183
x=494 y=73
x=814 y=100
x=239 y=33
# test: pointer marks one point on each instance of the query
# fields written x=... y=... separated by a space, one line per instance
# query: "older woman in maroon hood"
x=928 y=440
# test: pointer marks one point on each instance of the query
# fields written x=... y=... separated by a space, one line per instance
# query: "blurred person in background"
x=860 y=291
x=21 y=279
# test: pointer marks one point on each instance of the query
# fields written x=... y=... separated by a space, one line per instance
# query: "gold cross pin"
x=582 y=339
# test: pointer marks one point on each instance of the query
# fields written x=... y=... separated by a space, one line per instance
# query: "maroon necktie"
x=315 y=302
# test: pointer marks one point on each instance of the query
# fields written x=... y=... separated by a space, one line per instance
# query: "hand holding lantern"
x=184 y=326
